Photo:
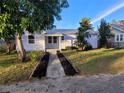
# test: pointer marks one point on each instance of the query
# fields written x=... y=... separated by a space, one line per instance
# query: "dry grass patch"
x=11 y=70
x=99 y=61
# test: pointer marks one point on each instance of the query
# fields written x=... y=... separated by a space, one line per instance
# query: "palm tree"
x=83 y=33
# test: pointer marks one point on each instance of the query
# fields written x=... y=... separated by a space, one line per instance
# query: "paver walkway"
x=57 y=83
x=76 y=84
x=55 y=69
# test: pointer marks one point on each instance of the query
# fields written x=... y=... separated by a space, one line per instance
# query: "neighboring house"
x=118 y=32
x=54 y=39
x=2 y=42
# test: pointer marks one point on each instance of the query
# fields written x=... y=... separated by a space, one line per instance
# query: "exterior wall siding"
x=118 y=44
x=93 y=40
x=41 y=42
x=38 y=45
x=65 y=43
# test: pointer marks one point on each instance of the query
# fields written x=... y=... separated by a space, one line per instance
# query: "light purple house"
x=54 y=39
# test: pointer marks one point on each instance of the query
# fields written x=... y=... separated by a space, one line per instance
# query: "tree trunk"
x=21 y=50
x=82 y=48
x=8 y=48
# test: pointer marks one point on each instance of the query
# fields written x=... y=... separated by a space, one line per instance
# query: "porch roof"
x=62 y=31
x=53 y=34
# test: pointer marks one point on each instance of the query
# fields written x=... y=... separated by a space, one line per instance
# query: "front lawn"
x=99 y=61
x=11 y=70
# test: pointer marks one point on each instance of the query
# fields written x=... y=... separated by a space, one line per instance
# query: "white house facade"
x=118 y=32
x=54 y=39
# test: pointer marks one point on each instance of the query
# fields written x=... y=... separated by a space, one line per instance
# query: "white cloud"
x=108 y=12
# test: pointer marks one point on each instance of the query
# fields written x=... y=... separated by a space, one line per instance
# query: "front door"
x=52 y=42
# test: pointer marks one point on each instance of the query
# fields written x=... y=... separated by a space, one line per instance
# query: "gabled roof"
x=62 y=31
x=118 y=27
x=67 y=31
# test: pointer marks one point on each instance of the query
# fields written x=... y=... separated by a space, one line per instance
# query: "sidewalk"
x=55 y=69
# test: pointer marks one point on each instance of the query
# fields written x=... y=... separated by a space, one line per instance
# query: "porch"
x=53 y=41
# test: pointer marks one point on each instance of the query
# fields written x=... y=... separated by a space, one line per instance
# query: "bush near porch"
x=99 y=61
x=2 y=49
x=11 y=70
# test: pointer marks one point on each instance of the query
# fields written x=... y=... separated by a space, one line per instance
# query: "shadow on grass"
x=102 y=64
x=7 y=60
x=87 y=54
x=7 y=63
x=96 y=62
x=98 y=52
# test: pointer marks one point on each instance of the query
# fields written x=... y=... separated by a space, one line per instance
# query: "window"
x=121 y=37
x=49 y=39
x=54 y=39
x=62 y=38
x=31 y=39
x=117 y=38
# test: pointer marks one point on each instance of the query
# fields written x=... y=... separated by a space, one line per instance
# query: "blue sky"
x=94 y=9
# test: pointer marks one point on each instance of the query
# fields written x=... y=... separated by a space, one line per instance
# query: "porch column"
x=60 y=43
x=45 y=42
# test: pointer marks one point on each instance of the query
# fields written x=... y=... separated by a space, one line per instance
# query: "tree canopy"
x=104 y=33
x=83 y=33
x=31 y=15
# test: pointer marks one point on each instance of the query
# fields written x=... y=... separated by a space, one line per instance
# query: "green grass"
x=99 y=61
x=11 y=70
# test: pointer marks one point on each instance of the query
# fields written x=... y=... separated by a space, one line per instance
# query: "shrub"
x=87 y=47
x=71 y=48
x=2 y=48
x=63 y=49
x=34 y=55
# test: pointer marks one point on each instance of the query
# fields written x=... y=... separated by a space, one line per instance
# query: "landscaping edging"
x=41 y=68
x=68 y=67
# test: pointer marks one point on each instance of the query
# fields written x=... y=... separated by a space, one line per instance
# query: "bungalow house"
x=54 y=39
x=117 y=30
